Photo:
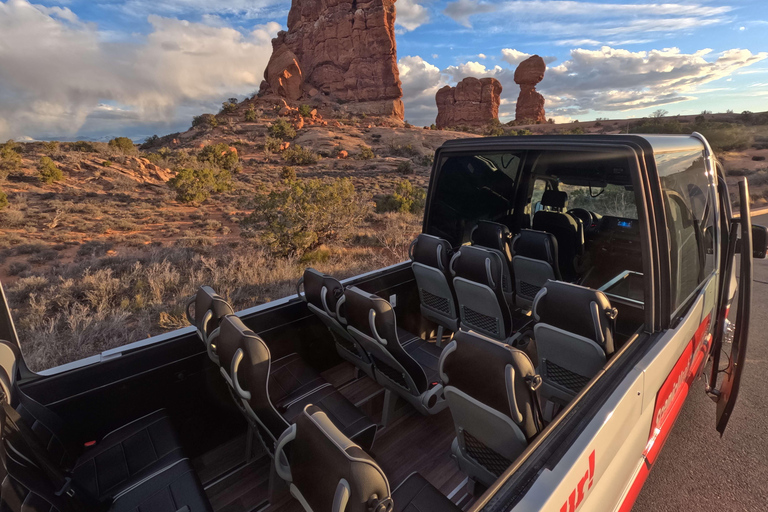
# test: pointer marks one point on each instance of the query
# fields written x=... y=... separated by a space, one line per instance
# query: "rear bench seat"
x=137 y=466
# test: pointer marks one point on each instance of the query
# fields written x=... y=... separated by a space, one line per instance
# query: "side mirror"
x=759 y=241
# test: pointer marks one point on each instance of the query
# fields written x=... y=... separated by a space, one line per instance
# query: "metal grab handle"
x=339 y=316
x=284 y=469
x=186 y=310
x=323 y=294
x=298 y=288
x=245 y=395
x=488 y=272
x=410 y=248
x=451 y=264
x=372 y=325
x=210 y=347
x=439 y=258
x=203 y=329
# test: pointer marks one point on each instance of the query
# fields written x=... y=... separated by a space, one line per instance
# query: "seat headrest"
x=480 y=265
x=554 y=199
x=206 y=300
x=358 y=305
x=234 y=335
x=322 y=459
x=578 y=310
x=537 y=245
x=314 y=282
x=431 y=251
x=491 y=234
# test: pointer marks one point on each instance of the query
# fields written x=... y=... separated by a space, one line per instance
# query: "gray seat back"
x=323 y=294
x=373 y=323
x=534 y=263
x=430 y=259
x=483 y=288
x=567 y=229
x=488 y=386
x=245 y=365
x=326 y=471
x=209 y=308
x=574 y=335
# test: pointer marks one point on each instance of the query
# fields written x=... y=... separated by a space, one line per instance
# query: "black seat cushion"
x=416 y=494
x=427 y=354
x=290 y=377
x=493 y=236
x=538 y=245
x=127 y=455
x=174 y=489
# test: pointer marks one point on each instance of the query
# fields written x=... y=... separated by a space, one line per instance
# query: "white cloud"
x=606 y=23
x=475 y=69
x=515 y=57
x=411 y=15
x=461 y=10
x=247 y=9
x=421 y=80
x=58 y=75
x=481 y=56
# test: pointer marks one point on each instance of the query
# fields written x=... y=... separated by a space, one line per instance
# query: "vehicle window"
x=611 y=200
x=471 y=188
x=689 y=202
x=539 y=186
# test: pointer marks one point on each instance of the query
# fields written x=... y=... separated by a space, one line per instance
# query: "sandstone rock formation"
x=344 y=50
x=473 y=102
x=530 y=104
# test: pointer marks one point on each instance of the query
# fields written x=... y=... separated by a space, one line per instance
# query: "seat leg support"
x=388 y=410
x=439 y=339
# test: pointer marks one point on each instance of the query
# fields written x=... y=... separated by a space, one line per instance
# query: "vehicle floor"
x=412 y=442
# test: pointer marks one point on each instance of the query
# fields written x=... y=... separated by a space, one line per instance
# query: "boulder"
x=283 y=73
x=530 y=104
x=473 y=102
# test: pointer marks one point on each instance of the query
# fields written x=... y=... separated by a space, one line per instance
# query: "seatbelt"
x=534 y=383
x=59 y=479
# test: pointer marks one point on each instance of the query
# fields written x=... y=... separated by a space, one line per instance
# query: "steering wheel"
x=583 y=215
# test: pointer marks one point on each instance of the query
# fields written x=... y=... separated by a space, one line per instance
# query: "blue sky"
x=95 y=68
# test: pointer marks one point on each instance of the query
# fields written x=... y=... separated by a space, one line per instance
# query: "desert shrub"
x=83 y=146
x=48 y=172
x=229 y=106
x=51 y=147
x=406 y=199
x=305 y=110
x=297 y=155
x=272 y=144
x=287 y=173
x=106 y=163
x=10 y=159
x=205 y=121
x=307 y=213
x=250 y=115
x=366 y=153
x=3 y=200
x=282 y=129
x=725 y=136
x=405 y=167
x=221 y=156
x=402 y=150
x=197 y=185
x=494 y=129
x=123 y=145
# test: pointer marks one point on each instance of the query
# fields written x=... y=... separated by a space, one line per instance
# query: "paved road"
x=697 y=470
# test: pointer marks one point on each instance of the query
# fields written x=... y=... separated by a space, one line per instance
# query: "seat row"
x=47 y=465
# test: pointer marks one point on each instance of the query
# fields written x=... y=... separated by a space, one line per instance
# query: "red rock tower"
x=530 y=104
x=473 y=102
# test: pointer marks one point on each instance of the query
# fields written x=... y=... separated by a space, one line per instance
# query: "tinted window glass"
x=470 y=188
x=688 y=201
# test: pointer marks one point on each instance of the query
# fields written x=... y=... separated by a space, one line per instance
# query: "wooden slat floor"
x=412 y=442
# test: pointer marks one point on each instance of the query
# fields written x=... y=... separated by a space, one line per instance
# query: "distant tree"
x=197 y=185
x=10 y=159
x=205 y=121
x=48 y=171
x=51 y=147
x=220 y=156
x=123 y=144
x=282 y=129
x=250 y=115
x=658 y=114
x=305 y=110
x=407 y=198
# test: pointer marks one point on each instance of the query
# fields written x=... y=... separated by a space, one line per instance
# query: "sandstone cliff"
x=530 y=104
x=473 y=102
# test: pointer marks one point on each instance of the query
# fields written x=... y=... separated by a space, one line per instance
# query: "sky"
x=102 y=68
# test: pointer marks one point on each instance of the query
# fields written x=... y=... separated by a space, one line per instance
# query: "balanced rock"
x=530 y=104
x=473 y=102
x=341 y=49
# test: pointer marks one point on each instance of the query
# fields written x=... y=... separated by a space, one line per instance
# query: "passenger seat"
x=484 y=290
x=407 y=366
x=491 y=389
x=210 y=308
x=326 y=471
x=322 y=293
x=534 y=263
x=430 y=259
x=568 y=230
x=493 y=236
x=138 y=466
x=273 y=393
x=574 y=337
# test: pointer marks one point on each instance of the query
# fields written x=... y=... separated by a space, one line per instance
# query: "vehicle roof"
x=655 y=143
